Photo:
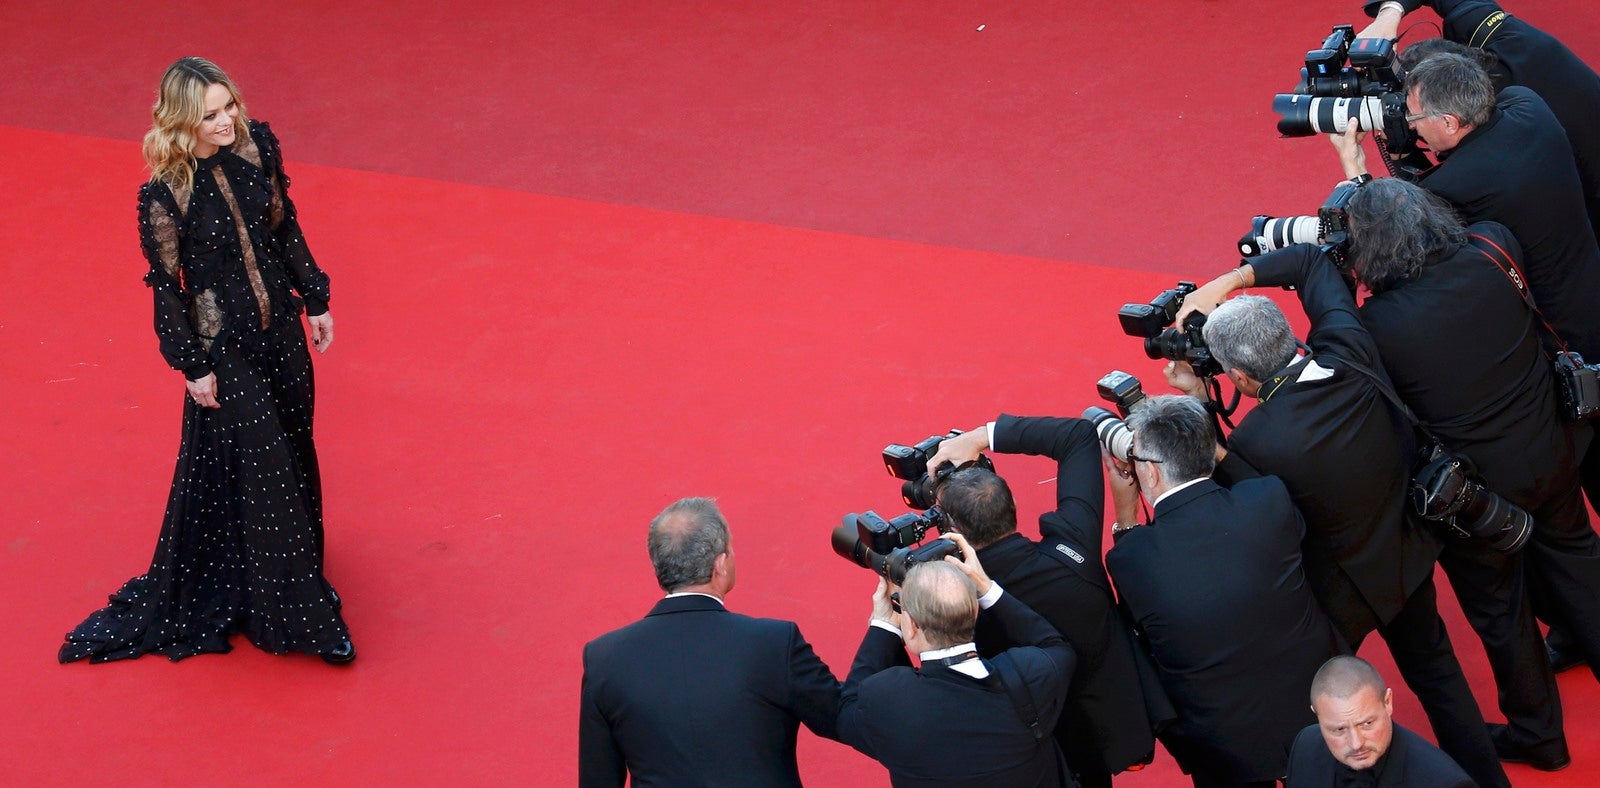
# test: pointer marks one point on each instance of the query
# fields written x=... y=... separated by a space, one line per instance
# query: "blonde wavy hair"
x=169 y=145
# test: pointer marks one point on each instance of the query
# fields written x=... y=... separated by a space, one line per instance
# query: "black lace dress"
x=241 y=543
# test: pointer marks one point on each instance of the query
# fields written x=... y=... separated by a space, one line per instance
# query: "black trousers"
x=1420 y=645
x=1492 y=588
x=1564 y=559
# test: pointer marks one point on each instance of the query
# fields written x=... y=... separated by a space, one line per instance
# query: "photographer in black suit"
x=1463 y=351
x=1215 y=585
x=727 y=705
x=1105 y=727
x=1517 y=53
x=1506 y=159
x=961 y=720
x=1345 y=454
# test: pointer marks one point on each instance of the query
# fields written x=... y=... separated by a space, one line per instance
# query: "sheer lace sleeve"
x=309 y=279
x=158 y=235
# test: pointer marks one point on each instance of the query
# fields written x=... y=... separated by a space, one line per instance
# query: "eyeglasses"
x=1419 y=116
x=894 y=602
x=1132 y=458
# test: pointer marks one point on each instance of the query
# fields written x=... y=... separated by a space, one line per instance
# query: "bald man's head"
x=943 y=602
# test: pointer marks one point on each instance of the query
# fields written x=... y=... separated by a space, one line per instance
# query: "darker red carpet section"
x=588 y=259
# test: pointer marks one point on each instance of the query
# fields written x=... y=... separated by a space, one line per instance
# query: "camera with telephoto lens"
x=1120 y=389
x=1443 y=491
x=1114 y=433
x=910 y=464
x=1369 y=92
x=1579 y=384
x=1329 y=229
x=1153 y=322
x=889 y=547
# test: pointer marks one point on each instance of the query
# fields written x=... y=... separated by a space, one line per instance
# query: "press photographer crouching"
x=959 y=720
x=1324 y=428
x=1105 y=727
x=1463 y=351
x=1215 y=584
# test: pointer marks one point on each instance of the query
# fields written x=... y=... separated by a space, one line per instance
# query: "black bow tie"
x=1356 y=778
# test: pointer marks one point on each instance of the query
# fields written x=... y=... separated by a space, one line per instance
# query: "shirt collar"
x=697 y=593
x=1168 y=493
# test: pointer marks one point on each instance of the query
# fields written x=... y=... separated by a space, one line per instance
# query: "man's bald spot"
x=1344 y=676
x=943 y=601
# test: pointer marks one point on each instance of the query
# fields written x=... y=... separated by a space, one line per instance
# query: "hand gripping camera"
x=1153 y=322
x=910 y=465
x=1329 y=230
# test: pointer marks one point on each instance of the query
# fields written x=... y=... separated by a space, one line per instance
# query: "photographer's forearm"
x=1386 y=24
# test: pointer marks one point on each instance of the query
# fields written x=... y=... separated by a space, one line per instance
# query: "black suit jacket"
x=1463 y=352
x=937 y=726
x=1517 y=169
x=1341 y=448
x=1411 y=762
x=696 y=695
x=1535 y=60
x=1216 y=586
x=1105 y=726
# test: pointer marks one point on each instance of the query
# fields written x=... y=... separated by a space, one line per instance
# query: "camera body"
x=889 y=547
x=1352 y=80
x=1329 y=229
x=920 y=486
x=1579 y=384
x=1153 y=322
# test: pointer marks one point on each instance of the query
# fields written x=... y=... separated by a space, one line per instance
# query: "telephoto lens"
x=1303 y=116
x=1443 y=492
x=1268 y=234
x=1114 y=433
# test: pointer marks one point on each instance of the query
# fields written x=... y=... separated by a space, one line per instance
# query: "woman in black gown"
x=241 y=543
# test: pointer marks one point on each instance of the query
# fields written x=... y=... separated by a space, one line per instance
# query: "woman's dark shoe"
x=342 y=654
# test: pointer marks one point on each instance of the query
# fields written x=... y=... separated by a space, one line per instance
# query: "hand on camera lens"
x=968 y=562
x=1124 y=486
x=1351 y=155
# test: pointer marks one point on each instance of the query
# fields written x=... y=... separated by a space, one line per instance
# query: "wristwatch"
x=1118 y=529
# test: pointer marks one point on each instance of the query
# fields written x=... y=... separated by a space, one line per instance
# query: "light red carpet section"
x=587 y=260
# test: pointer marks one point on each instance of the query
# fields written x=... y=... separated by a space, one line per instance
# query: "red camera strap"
x=1518 y=280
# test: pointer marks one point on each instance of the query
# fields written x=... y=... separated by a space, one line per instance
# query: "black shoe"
x=1554 y=759
x=1561 y=659
x=342 y=654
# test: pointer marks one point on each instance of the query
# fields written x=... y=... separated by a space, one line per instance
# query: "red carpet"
x=546 y=332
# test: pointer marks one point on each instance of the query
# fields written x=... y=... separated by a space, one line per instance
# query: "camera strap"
x=1394 y=399
x=1017 y=687
x=1509 y=267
